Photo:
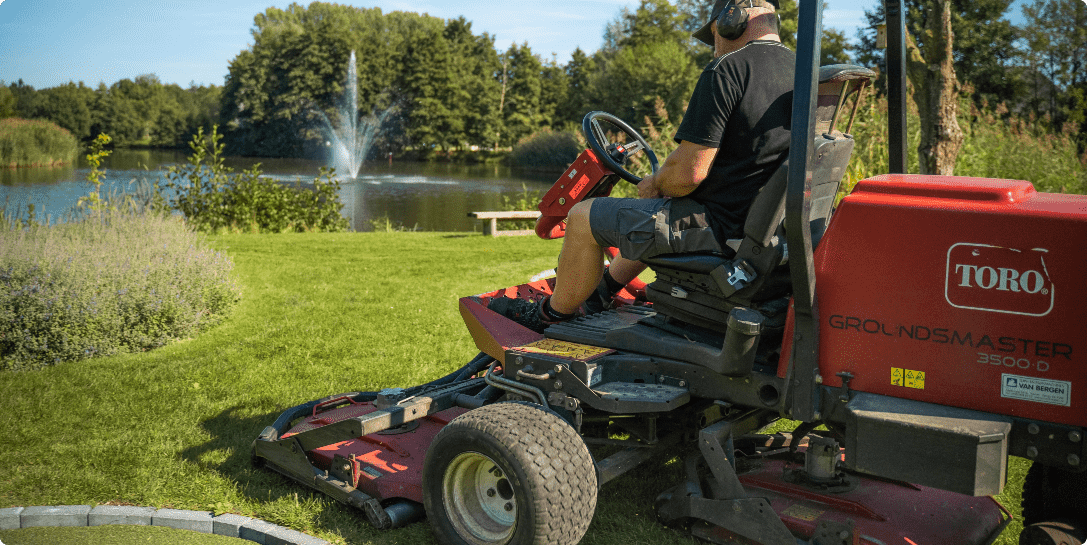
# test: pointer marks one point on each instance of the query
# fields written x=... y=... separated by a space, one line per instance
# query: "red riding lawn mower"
x=919 y=339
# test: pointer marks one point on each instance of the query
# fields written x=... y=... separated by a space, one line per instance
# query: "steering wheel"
x=615 y=155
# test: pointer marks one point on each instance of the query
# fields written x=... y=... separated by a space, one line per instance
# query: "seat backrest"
x=832 y=149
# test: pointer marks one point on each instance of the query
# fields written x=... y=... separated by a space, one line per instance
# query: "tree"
x=578 y=98
x=25 y=99
x=115 y=114
x=554 y=90
x=7 y=102
x=984 y=52
x=67 y=106
x=438 y=78
x=426 y=83
x=634 y=77
x=648 y=53
x=936 y=92
x=654 y=21
x=521 y=112
x=473 y=90
x=1056 y=39
x=835 y=47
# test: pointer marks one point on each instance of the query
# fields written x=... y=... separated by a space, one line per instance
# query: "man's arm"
x=681 y=173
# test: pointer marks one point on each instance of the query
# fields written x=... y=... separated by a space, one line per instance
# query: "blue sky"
x=50 y=42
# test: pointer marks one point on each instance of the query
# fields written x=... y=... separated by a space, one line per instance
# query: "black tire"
x=509 y=473
x=1050 y=493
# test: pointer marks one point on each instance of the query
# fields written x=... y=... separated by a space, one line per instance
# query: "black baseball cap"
x=705 y=34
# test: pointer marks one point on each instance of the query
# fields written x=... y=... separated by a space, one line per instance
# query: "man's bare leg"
x=624 y=270
x=581 y=262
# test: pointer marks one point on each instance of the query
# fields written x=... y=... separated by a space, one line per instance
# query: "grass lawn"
x=321 y=314
x=113 y=535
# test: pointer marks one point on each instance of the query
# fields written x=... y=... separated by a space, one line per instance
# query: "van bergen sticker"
x=997 y=279
x=1038 y=390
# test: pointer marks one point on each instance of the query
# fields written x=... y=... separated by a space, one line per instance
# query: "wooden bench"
x=491 y=227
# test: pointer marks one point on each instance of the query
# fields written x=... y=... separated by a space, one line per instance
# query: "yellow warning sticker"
x=908 y=378
x=563 y=349
x=801 y=512
x=915 y=379
x=896 y=376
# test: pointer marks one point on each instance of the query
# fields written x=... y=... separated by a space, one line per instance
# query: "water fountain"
x=351 y=139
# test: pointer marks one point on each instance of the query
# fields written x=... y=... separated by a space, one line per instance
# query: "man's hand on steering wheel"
x=647 y=188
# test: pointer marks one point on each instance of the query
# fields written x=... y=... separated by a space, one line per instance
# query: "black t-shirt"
x=742 y=105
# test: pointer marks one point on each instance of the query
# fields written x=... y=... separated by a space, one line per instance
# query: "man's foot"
x=531 y=314
x=603 y=296
x=599 y=301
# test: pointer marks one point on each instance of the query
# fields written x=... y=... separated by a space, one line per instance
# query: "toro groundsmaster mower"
x=930 y=330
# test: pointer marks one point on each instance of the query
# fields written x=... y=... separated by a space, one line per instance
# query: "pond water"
x=425 y=196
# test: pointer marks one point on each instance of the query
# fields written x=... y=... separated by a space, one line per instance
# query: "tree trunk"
x=501 y=100
x=936 y=93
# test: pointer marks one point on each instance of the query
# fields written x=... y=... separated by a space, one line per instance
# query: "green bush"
x=213 y=199
x=546 y=150
x=26 y=143
x=1021 y=149
x=112 y=282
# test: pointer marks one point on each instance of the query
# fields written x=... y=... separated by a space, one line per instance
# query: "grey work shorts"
x=642 y=228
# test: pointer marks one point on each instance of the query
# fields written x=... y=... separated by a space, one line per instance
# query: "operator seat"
x=753 y=285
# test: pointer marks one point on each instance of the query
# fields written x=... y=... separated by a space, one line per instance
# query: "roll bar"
x=801 y=387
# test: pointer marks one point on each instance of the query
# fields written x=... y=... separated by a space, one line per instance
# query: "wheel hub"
x=479 y=498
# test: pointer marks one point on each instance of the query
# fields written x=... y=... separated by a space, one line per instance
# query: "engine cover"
x=963 y=292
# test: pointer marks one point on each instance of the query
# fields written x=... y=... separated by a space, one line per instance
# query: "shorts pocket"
x=640 y=240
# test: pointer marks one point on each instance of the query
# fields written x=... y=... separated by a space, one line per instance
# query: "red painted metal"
x=494 y=333
x=382 y=465
x=571 y=188
x=975 y=285
x=881 y=512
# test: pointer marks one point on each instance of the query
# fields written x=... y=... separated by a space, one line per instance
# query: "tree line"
x=451 y=88
x=1035 y=70
x=140 y=112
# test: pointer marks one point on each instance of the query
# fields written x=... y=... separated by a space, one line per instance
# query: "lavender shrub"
x=111 y=282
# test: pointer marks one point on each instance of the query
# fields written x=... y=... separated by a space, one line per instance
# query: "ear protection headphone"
x=732 y=21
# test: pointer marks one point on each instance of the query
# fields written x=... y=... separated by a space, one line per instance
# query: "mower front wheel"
x=509 y=473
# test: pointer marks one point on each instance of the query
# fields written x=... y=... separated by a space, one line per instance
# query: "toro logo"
x=997 y=279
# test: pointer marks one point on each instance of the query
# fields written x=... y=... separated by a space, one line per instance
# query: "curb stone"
x=102 y=515
x=229 y=525
x=9 y=518
x=197 y=521
x=61 y=515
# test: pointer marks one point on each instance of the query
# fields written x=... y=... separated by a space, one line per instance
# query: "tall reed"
x=26 y=143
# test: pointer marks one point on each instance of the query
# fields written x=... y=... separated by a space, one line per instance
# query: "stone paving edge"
x=228 y=524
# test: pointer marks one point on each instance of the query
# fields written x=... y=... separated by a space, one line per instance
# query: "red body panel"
x=571 y=188
x=877 y=510
x=494 y=333
x=384 y=465
x=958 y=291
x=881 y=512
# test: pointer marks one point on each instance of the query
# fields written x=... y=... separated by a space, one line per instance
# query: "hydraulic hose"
x=518 y=388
